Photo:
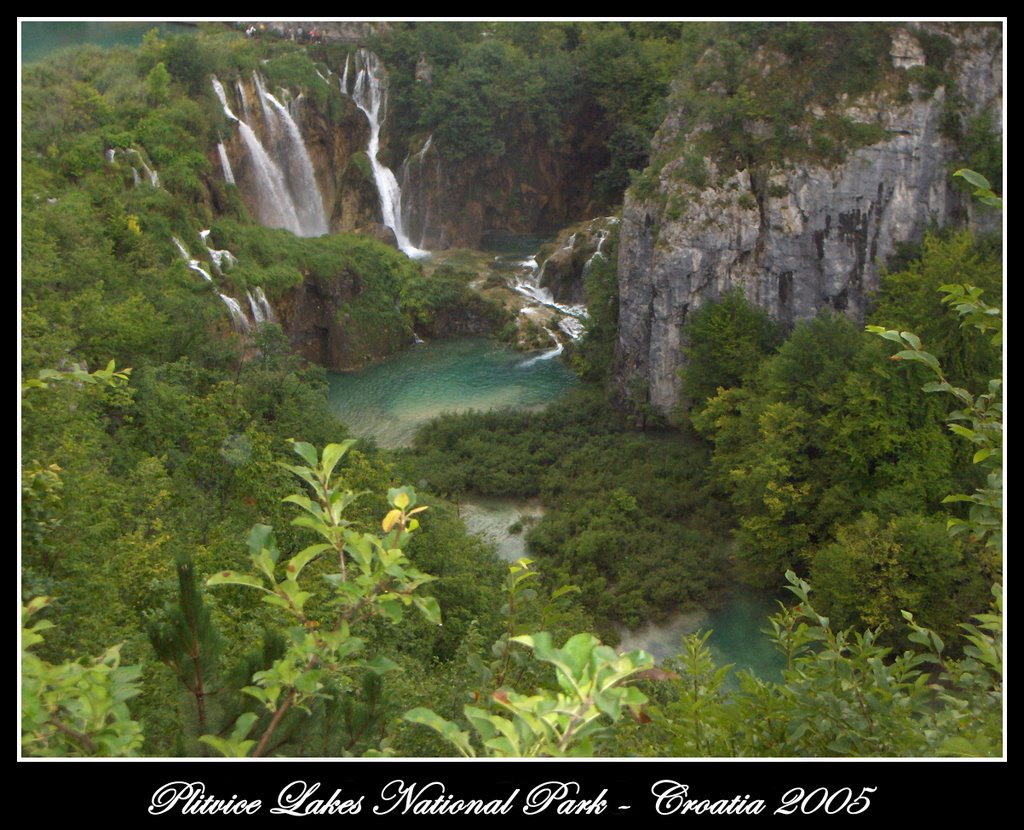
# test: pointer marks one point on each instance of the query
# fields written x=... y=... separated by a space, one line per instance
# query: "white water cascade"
x=221 y=258
x=238 y=317
x=154 y=179
x=370 y=94
x=292 y=152
x=344 y=76
x=193 y=264
x=548 y=355
x=276 y=206
x=260 y=307
x=225 y=163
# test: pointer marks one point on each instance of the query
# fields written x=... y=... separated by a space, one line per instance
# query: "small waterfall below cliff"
x=151 y=174
x=370 y=94
x=548 y=355
x=225 y=163
x=287 y=195
x=193 y=264
x=238 y=317
x=259 y=306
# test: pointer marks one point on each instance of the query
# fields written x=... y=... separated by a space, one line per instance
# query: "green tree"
x=726 y=340
x=158 y=83
x=321 y=650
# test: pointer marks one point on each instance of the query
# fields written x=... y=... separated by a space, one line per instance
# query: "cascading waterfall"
x=257 y=312
x=269 y=121
x=225 y=163
x=344 y=77
x=193 y=264
x=154 y=179
x=246 y=115
x=264 y=304
x=238 y=317
x=219 y=257
x=276 y=205
x=602 y=236
x=259 y=305
x=309 y=205
x=370 y=95
x=548 y=355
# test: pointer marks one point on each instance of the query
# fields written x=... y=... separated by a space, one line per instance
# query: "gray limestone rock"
x=802 y=238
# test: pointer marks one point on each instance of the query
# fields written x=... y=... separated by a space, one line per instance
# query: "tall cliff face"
x=532 y=188
x=795 y=237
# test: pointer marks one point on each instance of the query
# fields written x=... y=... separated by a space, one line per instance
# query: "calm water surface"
x=390 y=400
x=41 y=38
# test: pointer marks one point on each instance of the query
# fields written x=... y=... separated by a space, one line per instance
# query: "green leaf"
x=233 y=578
x=381 y=665
x=259 y=538
x=912 y=339
x=332 y=455
x=307 y=451
x=430 y=609
x=303 y=558
x=445 y=728
x=974 y=178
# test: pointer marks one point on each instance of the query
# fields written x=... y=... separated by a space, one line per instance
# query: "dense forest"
x=213 y=565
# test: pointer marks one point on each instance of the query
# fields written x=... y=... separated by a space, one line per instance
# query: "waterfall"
x=257 y=312
x=258 y=304
x=370 y=95
x=264 y=304
x=218 y=88
x=407 y=207
x=225 y=163
x=344 y=77
x=260 y=307
x=602 y=235
x=246 y=115
x=301 y=177
x=286 y=198
x=269 y=121
x=275 y=207
x=185 y=255
x=217 y=256
x=548 y=355
x=154 y=179
x=238 y=318
x=193 y=264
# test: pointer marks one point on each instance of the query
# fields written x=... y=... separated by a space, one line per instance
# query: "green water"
x=41 y=38
x=390 y=400
x=736 y=636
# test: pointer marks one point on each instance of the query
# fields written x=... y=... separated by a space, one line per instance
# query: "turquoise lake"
x=390 y=400
x=41 y=38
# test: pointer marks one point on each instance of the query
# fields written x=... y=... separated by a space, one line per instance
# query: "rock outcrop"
x=566 y=262
x=795 y=238
x=531 y=188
